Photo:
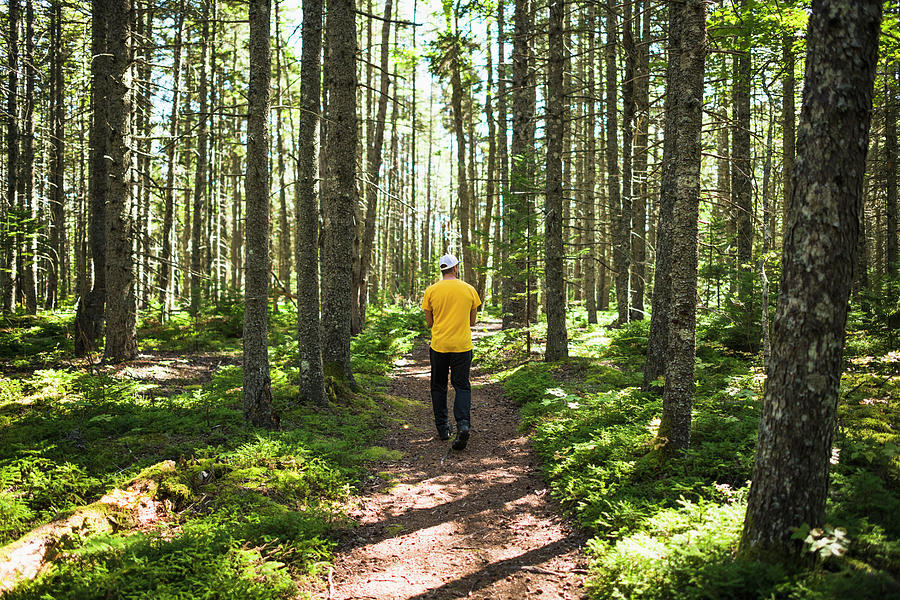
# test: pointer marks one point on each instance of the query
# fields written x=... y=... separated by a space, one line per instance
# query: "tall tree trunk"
x=628 y=115
x=741 y=174
x=675 y=425
x=557 y=337
x=257 y=385
x=57 y=171
x=165 y=267
x=339 y=190
x=312 y=380
x=589 y=167
x=790 y=476
x=284 y=232
x=658 y=338
x=363 y=262
x=7 y=268
x=619 y=206
x=200 y=179
x=28 y=250
x=890 y=156
x=89 y=316
x=146 y=131
x=491 y=167
x=515 y=312
x=463 y=180
x=788 y=143
x=641 y=155
x=121 y=318
x=502 y=272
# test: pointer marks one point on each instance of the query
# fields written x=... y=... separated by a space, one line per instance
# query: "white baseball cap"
x=448 y=261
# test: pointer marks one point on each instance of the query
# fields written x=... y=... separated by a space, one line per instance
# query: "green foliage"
x=669 y=530
x=250 y=510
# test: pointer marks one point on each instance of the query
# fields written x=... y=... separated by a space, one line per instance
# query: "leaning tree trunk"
x=793 y=452
x=312 y=380
x=557 y=337
x=339 y=190
x=89 y=316
x=658 y=338
x=121 y=319
x=675 y=425
x=257 y=385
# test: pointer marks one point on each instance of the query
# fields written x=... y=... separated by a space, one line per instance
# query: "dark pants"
x=457 y=363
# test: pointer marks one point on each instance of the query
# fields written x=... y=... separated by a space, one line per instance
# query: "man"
x=450 y=309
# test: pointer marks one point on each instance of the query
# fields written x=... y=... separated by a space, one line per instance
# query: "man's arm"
x=473 y=316
x=429 y=318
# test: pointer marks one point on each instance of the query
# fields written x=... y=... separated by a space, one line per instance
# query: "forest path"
x=472 y=524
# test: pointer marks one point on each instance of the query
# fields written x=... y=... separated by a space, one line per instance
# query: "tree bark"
x=557 y=337
x=790 y=476
x=363 y=261
x=741 y=175
x=121 y=318
x=675 y=425
x=55 y=279
x=7 y=272
x=658 y=338
x=312 y=379
x=502 y=252
x=165 y=266
x=628 y=116
x=619 y=205
x=515 y=311
x=463 y=181
x=28 y=250
x=257 y=385
x=588 y=194
x=890 y=160
x=200 y=177
x=339 y=192
x=788 y=143
x=89 y=316
x=641 y=155
x=490 y=182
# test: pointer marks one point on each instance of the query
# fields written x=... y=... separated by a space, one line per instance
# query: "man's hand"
x=429 y=318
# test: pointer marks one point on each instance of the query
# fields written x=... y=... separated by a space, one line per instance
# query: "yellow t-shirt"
x=451 y=302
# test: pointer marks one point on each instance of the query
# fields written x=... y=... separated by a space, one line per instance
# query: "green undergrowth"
x=249 y=511
x=669 y=530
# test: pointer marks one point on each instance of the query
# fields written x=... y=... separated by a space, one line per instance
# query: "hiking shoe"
x=462 y=436
x=444 y=432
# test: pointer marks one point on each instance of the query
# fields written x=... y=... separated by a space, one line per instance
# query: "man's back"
x=451 y=302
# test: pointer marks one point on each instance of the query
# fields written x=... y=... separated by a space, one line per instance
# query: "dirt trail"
x=472 y=524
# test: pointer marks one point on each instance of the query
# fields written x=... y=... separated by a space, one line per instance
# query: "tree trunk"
x=788 y=143
x=790 y=476
x=491 y=168
x=658 y=338
x=57 y=170
x=165 y=267
x=28 y=251
x=312 y=380
x=502 y=272
x=557 y=337
x=628 y=115
x=89 y=316
x=741 y=174
x=588 y=194
x=463 y=180
x=7 y=268
x=284 y=232
x=619 y=206
x=339 y=190
x=890 y=159
x=515 y=311
x=675 y=425
x=257 y=385
x=200 y=179
x=363 y=262
x=121 y=319
x=641 y=154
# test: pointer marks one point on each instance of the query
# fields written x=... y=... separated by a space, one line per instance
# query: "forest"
x=219 y=218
